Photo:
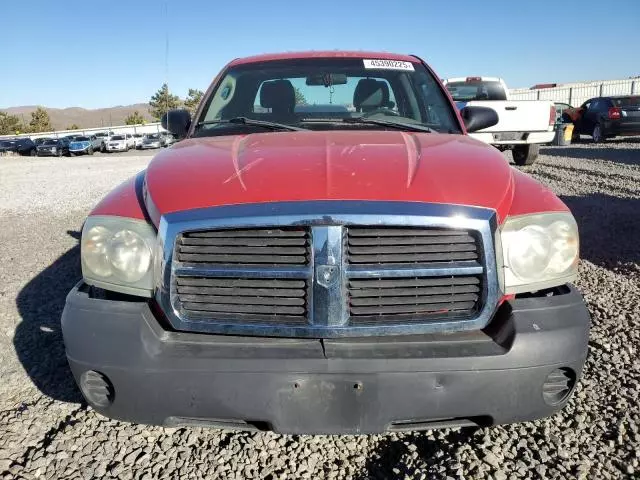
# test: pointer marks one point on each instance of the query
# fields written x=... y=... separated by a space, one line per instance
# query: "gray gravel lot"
x=46 y=431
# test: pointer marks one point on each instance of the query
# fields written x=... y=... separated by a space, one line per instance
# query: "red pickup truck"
x=326 y=250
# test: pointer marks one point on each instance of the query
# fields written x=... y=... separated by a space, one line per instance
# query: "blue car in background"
x=85 y=144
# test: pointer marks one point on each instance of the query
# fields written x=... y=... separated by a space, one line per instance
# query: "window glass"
x=476 y=90
x=320 y=93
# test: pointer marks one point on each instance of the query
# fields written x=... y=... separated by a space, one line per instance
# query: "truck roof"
x=323 y=54
x=481 y=79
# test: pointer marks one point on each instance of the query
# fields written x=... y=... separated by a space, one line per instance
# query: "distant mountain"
x=61 y=118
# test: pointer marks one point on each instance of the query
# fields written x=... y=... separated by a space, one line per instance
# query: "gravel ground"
x=46 y=431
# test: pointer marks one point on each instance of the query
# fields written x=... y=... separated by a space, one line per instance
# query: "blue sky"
x=98 y=54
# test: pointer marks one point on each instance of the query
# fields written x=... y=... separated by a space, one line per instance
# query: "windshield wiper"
x=250 y=121
x=388 y=123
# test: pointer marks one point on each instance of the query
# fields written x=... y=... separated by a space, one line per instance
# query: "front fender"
x=530 y=196
x=126 y=200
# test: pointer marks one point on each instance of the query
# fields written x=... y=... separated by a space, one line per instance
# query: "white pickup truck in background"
x=523 y=124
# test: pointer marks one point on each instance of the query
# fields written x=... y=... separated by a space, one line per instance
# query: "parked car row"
x=72 y=145
x=123 y=142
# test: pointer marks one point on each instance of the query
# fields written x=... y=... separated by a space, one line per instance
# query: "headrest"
x=370 y=93
x=278 y=95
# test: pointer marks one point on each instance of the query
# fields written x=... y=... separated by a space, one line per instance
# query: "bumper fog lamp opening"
x=558 y=386
x=97 y=388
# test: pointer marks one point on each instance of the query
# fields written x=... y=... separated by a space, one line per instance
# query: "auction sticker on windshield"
x=388 y=64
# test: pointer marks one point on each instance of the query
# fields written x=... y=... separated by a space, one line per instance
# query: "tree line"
x=163 y=100
x=12 y=124
x=160 y=102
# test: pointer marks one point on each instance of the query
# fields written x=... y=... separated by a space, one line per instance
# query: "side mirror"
x=477 y=118
x=177 y=122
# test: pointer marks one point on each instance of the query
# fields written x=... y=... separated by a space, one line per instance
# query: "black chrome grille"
x=248 y=300
x=258 y=246
x=329 y=269
x=409 y=245
x=413 y=298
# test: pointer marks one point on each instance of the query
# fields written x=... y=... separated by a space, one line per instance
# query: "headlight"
x=116 y=254
x=539 y=251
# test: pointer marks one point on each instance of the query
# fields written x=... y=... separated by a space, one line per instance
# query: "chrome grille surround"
x=328 y=271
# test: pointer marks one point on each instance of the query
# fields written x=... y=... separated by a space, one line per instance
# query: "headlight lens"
x=95 y=251
x=116 y=254
x=539 y=251
x=130 y=256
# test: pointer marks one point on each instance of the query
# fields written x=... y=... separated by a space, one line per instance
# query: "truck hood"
x=337 y=165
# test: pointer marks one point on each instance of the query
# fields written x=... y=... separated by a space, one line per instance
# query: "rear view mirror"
x=478 y=118
x=177 y=122
x=327 y=79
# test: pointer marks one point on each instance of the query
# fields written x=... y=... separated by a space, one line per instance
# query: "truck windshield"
x=476 y=90
x=321 y=93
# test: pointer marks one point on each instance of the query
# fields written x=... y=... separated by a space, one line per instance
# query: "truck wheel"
x=597 y=134
x=525 y=154
x=33 y=152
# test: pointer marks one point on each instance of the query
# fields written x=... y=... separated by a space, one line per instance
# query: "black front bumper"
x=348 y=386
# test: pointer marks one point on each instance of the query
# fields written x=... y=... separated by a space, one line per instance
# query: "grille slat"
x=245 y=241
x=239 y=292
x=383 y=292
x=241 y=259
x=216 y=299
x=257 y=246
x=234 y=308
x=412 y=308
x=409 y=240
x=411 y=282
x=415 y=300
x=413 y=257
x=240 y=282
x=400 y=231
x=393 y=249
x=415 y=245
x=246 y=232
x=243 y=250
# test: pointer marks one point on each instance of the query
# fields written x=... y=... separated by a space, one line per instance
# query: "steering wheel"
x=387 y=112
